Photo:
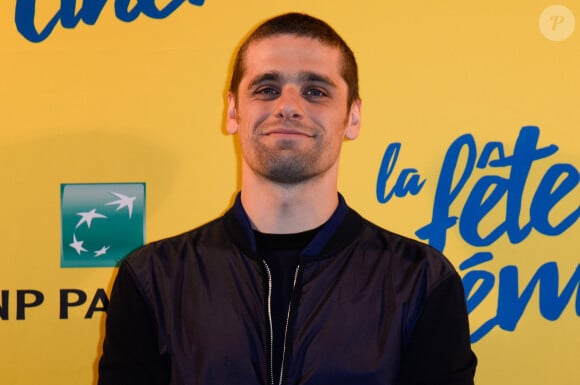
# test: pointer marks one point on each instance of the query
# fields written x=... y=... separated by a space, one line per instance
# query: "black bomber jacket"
x=368 y=307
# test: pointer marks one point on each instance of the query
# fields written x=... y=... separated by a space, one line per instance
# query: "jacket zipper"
x=286 y=327
x=269 y=308
x=271 y=327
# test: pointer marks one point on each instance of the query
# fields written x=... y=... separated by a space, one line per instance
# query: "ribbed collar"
x=341 y=229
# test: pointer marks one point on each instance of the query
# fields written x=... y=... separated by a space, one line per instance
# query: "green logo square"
x=101 y=223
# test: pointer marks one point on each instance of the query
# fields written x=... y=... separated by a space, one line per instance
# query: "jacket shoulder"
x=407 y=258
x=174 y=252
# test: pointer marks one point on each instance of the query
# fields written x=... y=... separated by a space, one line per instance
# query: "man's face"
x=291 y=109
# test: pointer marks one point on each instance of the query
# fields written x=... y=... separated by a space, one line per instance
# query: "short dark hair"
x=302 y=25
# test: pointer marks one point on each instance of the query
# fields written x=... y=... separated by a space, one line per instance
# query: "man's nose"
x=289 y=104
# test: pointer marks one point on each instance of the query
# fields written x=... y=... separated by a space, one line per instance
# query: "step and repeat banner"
x=112 y=135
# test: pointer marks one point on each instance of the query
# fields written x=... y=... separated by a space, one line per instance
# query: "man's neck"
x=285 y=209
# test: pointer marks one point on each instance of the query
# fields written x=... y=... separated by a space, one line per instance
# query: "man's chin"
x=288 y=174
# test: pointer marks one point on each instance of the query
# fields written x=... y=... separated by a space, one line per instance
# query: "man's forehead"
x=288 y=52
x=271 y=43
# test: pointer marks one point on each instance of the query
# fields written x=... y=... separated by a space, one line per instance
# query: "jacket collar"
x=342 y=228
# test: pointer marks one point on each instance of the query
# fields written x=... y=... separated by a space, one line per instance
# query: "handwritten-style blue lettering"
x=500 y=190
x=408 y=182
x=510 y=303
x=490 y=189
x=88 y=13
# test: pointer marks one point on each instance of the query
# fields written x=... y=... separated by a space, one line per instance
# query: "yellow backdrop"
x=116 y=95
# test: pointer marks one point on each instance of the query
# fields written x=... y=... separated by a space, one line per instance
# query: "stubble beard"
x=286 y=165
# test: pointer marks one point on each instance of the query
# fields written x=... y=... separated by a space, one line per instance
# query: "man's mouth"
x=287 y=132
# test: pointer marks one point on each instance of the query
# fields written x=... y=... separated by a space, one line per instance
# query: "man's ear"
x=232 y=115
x=353 y=124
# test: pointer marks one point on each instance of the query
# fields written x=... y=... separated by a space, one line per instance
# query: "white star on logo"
x=102 y=251
x=87 y=217
x=77 y=245
x=123 y=201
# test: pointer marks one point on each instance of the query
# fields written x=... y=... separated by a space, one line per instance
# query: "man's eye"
x=266 y=91
x=315 y=92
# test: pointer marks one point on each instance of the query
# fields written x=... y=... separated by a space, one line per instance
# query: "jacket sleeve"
x=130 y=352
x=439 y=350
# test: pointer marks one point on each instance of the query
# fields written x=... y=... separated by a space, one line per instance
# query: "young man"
x=290 y=286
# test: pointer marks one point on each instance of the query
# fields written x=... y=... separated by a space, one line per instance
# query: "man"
x=290 y=286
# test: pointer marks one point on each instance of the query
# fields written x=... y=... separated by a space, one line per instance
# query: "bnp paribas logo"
x=101 y=223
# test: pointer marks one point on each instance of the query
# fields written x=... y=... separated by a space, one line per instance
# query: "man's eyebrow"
x=315 y=77
x=306 y=76
x=265 y=77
